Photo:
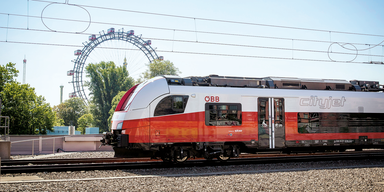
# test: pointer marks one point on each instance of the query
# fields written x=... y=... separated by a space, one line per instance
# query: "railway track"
x=72 y=161
x=57 y=165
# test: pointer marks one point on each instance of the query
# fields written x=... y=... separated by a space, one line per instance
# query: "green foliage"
x=115 y=102
x=106 y=81
x=71 y=110
x=29 y=113
x=58 y=122
x=159 y=67
x=85 y=121
x=7 y=74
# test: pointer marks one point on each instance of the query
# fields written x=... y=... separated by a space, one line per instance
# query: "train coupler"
x=108 y=139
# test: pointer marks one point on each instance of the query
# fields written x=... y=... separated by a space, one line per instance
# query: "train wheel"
x=222 y=158
x=181 y=160
x=181 y=156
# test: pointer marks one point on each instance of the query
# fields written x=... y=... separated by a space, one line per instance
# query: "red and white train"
x=175 y=118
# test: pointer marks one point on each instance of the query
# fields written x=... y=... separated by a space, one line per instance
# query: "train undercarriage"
x=172 y=152
x=222 y=151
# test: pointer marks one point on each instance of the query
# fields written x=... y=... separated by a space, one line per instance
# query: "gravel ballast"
x=353 y=175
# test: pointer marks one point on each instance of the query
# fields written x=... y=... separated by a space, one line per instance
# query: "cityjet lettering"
x=323 y=103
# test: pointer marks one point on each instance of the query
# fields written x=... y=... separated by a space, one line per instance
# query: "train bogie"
x=175 y=118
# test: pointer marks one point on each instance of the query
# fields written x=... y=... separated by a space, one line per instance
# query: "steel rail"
x=71 y=161
x=190 y=163
x=146 y=159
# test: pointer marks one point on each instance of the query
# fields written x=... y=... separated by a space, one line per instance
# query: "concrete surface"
x=5 y=149
x=19 y=179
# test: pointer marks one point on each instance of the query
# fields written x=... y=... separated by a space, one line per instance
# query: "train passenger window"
x=222 y=114
x=171 y=105
x=177 y=103
x=340 y=122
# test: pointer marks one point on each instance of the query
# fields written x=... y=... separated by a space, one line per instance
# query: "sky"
x=304 y=39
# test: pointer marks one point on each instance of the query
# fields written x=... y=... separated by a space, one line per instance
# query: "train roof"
x=275 y=83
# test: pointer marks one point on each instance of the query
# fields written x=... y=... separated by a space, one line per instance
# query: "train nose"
x=116 y=125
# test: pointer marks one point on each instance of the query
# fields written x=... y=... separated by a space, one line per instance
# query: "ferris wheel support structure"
x=89 y=46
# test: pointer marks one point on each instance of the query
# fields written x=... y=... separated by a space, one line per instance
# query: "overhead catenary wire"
x=225 y=44
x=199 y=53
x=221 y=44
x=354 y=49
x=173 y=29
x=66 y=3
x=217 y=33
x=218 y=20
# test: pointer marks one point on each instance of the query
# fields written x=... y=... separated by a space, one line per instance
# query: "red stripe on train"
x=190 y=127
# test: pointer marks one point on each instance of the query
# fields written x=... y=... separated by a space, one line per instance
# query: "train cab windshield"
x=155 y=85
x=133 y=95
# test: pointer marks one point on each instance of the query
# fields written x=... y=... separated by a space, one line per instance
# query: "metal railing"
x=33 y=142
x=4 y=124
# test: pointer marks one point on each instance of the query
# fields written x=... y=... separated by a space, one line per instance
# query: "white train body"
x=170 y=113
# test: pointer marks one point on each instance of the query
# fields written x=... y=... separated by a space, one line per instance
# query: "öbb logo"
x=212 y=99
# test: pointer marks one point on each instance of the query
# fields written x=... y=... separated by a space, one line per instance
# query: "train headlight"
x=119 y=126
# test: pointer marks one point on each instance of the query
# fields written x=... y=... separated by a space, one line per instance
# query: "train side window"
x=222 y=114
x=308 y=122
x=340 y=122
x=177 y=103
x=171 y=105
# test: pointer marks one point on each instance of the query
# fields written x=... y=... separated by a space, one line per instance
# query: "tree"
x=106 y=81
x=71 y=110
x=58 y=121
x=159 y=67
x=85 y=121
x=29 y=113
x=7 y=74
x=115 y=102
x=43 y=117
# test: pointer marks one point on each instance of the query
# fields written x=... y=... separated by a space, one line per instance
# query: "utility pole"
x=24 y=69
x=61 y=93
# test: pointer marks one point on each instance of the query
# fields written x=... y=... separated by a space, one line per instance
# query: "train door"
x=271 y=123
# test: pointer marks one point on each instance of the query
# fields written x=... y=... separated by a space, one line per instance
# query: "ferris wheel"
x=93 y=41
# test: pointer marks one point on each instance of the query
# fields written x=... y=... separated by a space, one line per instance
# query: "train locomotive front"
x=130 y=130
x=153 y=120
x=173 y=118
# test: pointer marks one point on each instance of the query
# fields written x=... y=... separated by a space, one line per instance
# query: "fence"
x=45 y=144
x=4 y=128
x=37 y=146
